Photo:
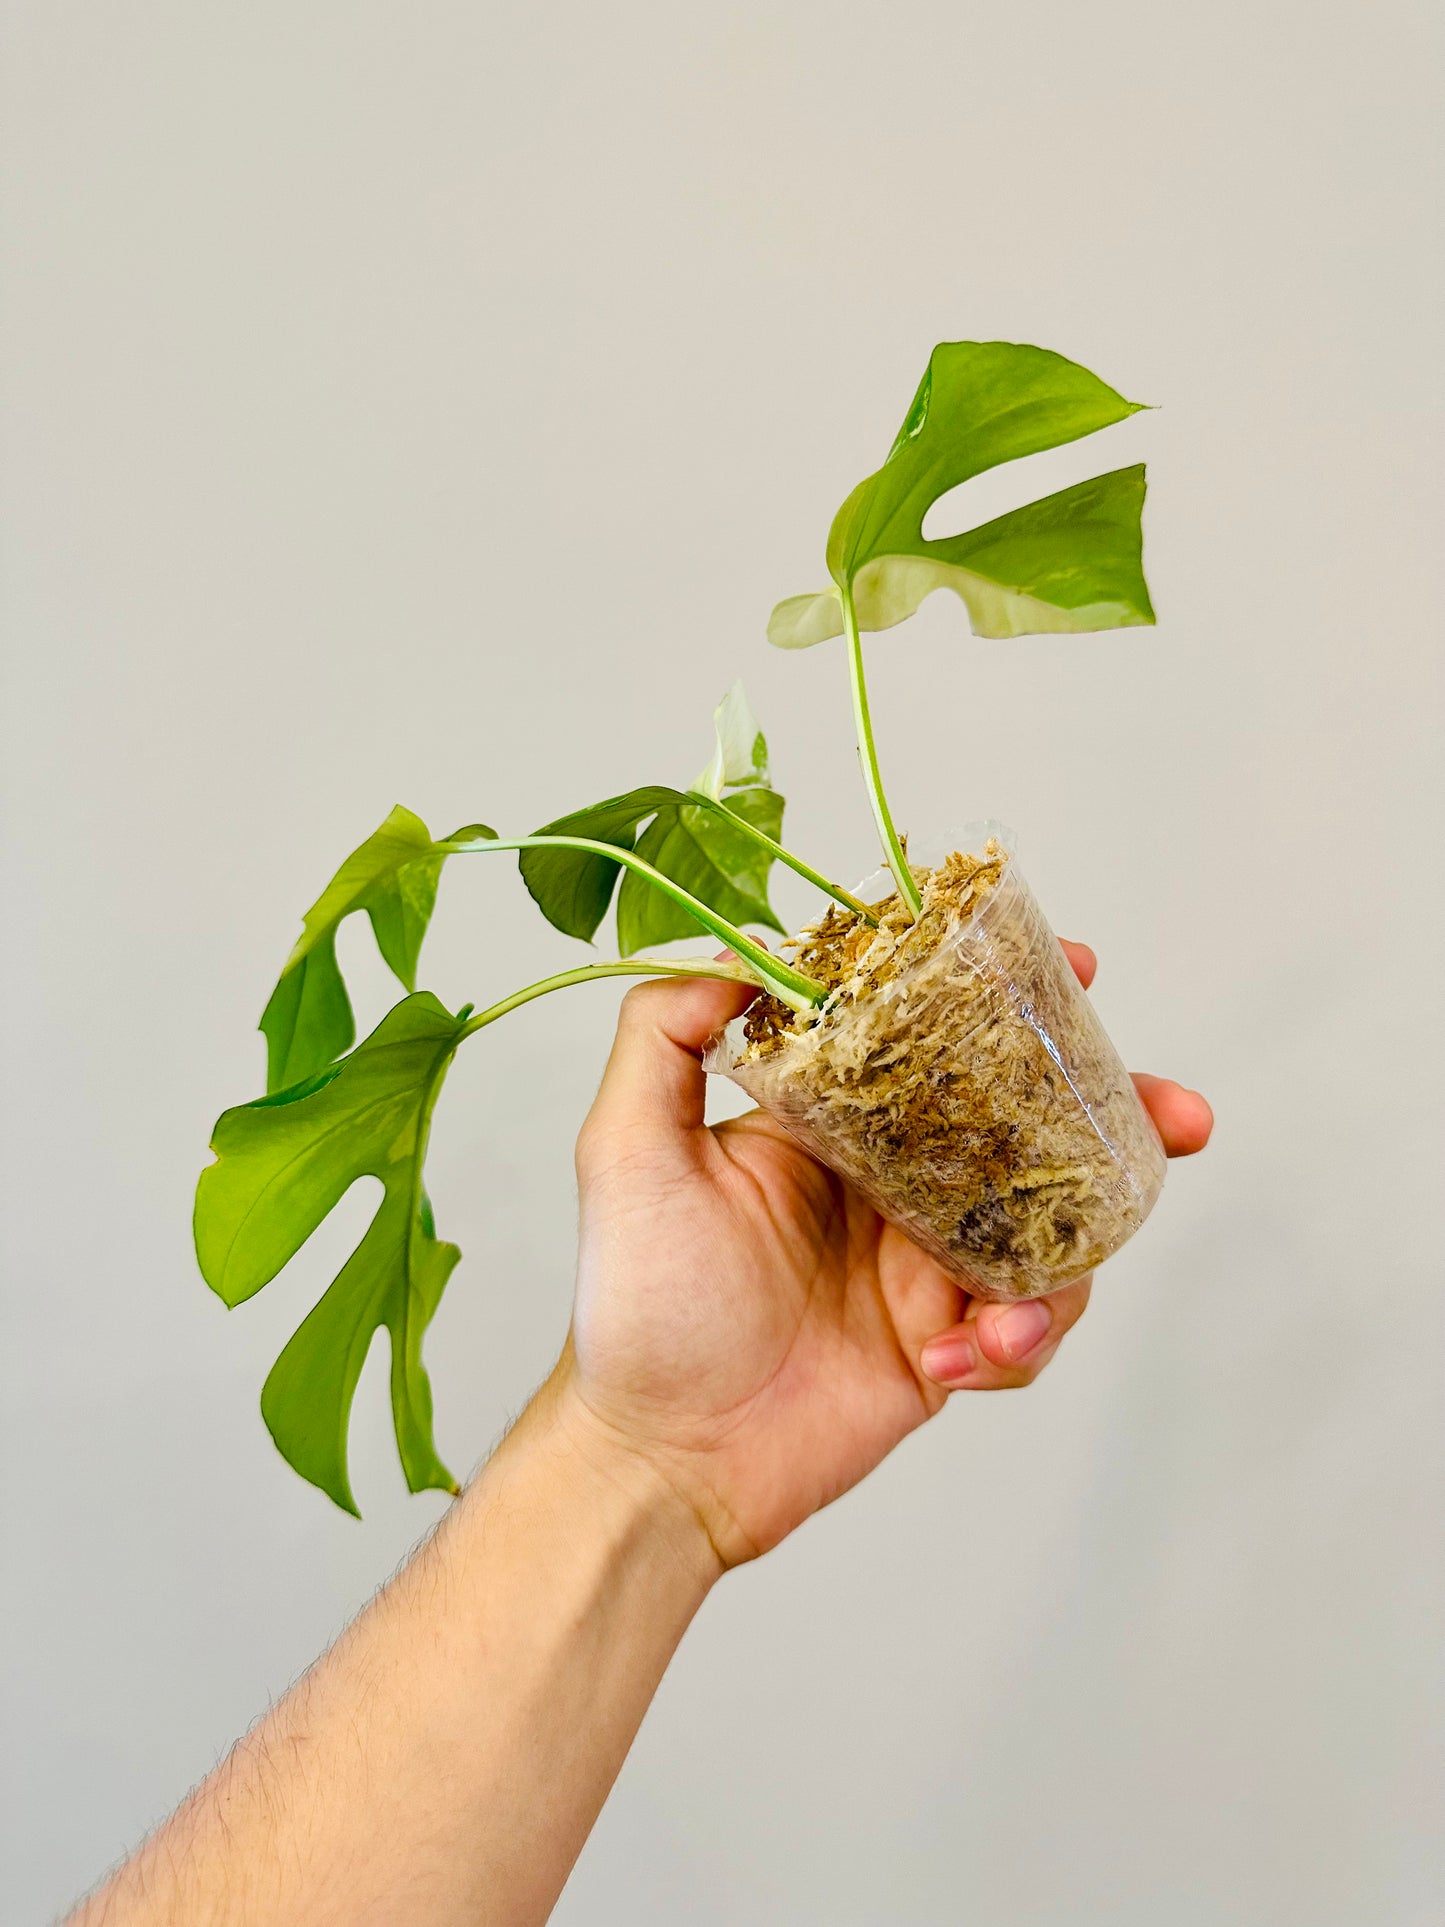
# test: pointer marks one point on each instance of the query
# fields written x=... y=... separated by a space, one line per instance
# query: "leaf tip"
x=800 y=621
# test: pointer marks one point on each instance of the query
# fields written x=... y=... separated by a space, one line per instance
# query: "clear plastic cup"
x=960 y=1080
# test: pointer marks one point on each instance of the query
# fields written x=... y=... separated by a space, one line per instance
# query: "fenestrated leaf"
x=1070 y=562
x=1020 y=575
x=1073 y=561
x=282 y=1164
x=393 y=877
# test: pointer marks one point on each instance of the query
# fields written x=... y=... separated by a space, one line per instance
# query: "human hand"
x=744 y=1322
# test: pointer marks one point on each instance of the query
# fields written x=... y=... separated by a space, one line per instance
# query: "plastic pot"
x=959 y=1079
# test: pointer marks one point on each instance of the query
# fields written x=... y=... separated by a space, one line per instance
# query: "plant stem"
x=788 y=985
x=868 y=757
x=838 y=894
x=630 y=967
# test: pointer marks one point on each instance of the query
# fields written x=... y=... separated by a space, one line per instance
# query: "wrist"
x=584 y=1463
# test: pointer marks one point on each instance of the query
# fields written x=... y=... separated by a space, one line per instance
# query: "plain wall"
x=428 y=404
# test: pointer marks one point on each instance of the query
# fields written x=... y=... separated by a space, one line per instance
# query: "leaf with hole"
x=1071 y=562
x=393 y=877
x=282 y=1165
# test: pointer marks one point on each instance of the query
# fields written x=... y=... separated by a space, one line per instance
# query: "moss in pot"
x=959 y=1078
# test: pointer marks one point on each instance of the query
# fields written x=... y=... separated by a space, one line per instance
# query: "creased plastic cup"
x=972 y=1097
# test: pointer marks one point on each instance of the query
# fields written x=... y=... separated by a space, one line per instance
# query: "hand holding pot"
x=750 y=1339
x=744 y=1321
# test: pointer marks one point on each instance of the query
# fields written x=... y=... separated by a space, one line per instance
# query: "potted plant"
x=926 y=1040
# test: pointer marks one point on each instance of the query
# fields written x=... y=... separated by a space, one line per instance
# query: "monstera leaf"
x=393 y=877
x=282 y=1164
x=688 y=837
x=1072 y=561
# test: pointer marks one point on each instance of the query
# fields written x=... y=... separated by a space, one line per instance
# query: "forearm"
x=445 y=1761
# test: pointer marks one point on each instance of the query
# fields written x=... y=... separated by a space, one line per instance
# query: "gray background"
x=428 y=404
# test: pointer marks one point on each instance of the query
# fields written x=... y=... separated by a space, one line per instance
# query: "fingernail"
x=948 y=1359
x=1022 y=1328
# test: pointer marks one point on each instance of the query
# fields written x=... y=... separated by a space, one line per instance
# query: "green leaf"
x=685 y=839
x=308 y=1019
x=282 y=1164
x=1070 y=562
x=694 y=846
x=573 y=888
x=393 y=877
x=688 y=841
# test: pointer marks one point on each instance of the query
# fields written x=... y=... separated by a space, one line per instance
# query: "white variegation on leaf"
x=740 y=754
x=1020 y=577
x=1068 y=563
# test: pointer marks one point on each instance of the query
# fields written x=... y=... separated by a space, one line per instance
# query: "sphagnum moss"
x=958 y=1076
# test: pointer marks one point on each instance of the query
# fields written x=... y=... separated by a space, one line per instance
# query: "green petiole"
x=630 y=967
x=788 y=985
x=868 y=757
x=795 y=863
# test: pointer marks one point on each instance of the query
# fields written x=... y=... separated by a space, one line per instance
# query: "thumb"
x=654 y=1077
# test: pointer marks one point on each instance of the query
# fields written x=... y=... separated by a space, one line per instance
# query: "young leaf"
x=740 y=759
x=1070 y=562
x=282 y=1164
x=393 y=877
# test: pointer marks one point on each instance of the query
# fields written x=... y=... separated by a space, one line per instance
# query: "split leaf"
x=1072 y=561
x=282 y=1164
x=393 y=877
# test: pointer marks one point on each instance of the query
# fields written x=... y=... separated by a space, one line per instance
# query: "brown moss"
x=959 y=1078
